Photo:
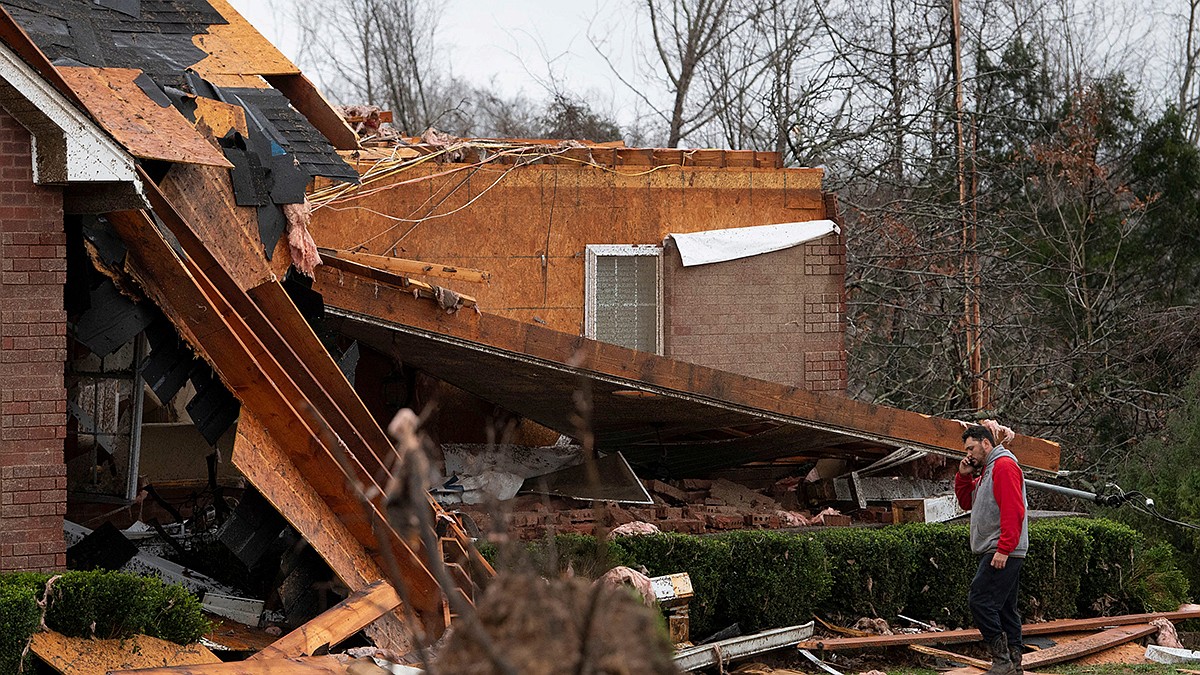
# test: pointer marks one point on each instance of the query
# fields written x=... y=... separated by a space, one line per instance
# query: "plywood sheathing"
x=84 y=656
x=216 y=119
x=145 y=128
x=237 y=48
x=485 y=354
x=529 y=225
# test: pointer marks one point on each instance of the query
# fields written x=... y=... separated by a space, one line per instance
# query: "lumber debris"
x=308 y=665
x=972 y=635
x=83 y=656
x=402 y=266
x=446 y=299
x=336 y=624
x=950 y=656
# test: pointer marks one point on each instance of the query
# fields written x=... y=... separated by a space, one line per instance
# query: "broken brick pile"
x=690 y=506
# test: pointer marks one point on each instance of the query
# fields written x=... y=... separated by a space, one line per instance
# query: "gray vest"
x=985 y=512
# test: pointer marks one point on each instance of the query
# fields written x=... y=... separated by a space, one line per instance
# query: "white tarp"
x=700 y=248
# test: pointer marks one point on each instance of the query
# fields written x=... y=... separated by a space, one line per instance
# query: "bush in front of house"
x=1057 y=560
x=943 y=569
x=872 y=571
x=19 y=616
x=773 y=579
x=762 y=579
x=96 y=604
x=1106 y=586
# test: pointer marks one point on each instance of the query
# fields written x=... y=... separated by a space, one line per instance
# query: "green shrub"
x=95 y=604
x=1106 y=586
x=1159 y=585
x=19 y=616
x=705 y=559
x=945 y=567
x=1058 y=557
x=774 y=579
x=872 y=571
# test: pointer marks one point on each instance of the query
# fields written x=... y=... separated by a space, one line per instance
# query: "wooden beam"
x=351 y=288
x=950 y=656
x=972 y=635
x=336 y=624
x=294 y=357
x=220 y=336
x=309 y=665
x=403 y=267
x=422 y=290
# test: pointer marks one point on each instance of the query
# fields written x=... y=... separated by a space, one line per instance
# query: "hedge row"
x=763 y=579
x=94 y=604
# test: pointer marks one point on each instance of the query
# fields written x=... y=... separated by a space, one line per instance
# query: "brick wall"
x=33 y=400
x=777 y=316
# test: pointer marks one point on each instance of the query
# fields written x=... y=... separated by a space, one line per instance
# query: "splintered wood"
x=401 y=266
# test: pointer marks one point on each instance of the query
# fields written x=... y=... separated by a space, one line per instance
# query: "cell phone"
x=971 y=461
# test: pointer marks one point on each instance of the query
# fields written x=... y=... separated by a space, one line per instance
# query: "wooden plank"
x=401 y=266
x=143 y=127
x=1069 y=651
x=265 y=464
x=950 y=656
x=397 y=282
x=308 y=665
x=972 y=635
x=308 y=101
x=351 y=291
x=203 y=199
x=85 y=656
x=238 y=48
x=336 y=624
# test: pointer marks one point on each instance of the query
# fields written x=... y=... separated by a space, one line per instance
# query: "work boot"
x=1001 y=659
x=1015 y=654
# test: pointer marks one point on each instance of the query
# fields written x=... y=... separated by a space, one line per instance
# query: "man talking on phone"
x=989 y=484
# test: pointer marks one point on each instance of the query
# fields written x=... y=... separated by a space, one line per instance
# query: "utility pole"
x=970 y=259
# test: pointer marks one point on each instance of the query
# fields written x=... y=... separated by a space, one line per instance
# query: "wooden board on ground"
x=145 y=128
x=1069 y=651
x=335 y=624
x=81 y=656
x=311 y=665
x=972 y=635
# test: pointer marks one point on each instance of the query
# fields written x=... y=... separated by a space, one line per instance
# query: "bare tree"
x=380 y=52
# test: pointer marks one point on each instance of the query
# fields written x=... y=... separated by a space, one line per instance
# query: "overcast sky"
x=511 y=43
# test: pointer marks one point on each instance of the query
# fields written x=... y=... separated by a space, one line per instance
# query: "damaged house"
x=208 y=279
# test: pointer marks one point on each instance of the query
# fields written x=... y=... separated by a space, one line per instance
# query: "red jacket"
x=1007 y=486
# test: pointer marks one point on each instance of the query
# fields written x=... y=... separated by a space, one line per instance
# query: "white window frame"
x=594 y=251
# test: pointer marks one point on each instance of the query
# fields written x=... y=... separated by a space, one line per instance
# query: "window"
x=623 y=299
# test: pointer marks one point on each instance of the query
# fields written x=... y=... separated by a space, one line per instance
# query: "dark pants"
x=993 y=599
